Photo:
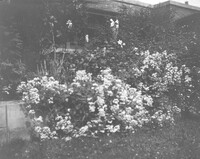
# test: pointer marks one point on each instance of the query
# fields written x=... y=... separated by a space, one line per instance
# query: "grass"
x=181 y=141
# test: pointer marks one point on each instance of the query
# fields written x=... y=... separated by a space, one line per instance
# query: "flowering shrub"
x=156 y=72
x=160 y=76
x=87 y=106
x=188 y=96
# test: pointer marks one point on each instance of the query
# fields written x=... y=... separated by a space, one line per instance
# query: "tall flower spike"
x=117 y=24
x=112 y=23
x=87 y=38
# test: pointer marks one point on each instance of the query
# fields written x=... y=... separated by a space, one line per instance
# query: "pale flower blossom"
x=112 y=23
x=121 y=43
x=39 y=119
x=68 y=138
x=69 y=24
x=31 y=112
x=87 y=38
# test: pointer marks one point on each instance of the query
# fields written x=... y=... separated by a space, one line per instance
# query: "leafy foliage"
x=153 y=30
x=11 y=67
x=89 y=106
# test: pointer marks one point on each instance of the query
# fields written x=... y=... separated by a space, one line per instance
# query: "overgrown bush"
x=89 y=106
x=154 y=73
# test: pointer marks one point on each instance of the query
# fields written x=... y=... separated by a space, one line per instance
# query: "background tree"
x=12 y=68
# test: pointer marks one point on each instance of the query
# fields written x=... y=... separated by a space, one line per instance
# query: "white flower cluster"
x=81 y=75
x=117 y=101
x=69 y=24
x=30 y=93
x=159 y=71
x=110 y=104
x=45 y=133
x=64 y=123
x=114 y=23
x=36 y=90
x=121 y=43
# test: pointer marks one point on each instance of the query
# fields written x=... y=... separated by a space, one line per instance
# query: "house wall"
x=110 y=6
x=181 y=12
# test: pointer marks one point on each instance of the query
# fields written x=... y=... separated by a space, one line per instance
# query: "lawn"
x=181 y=141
